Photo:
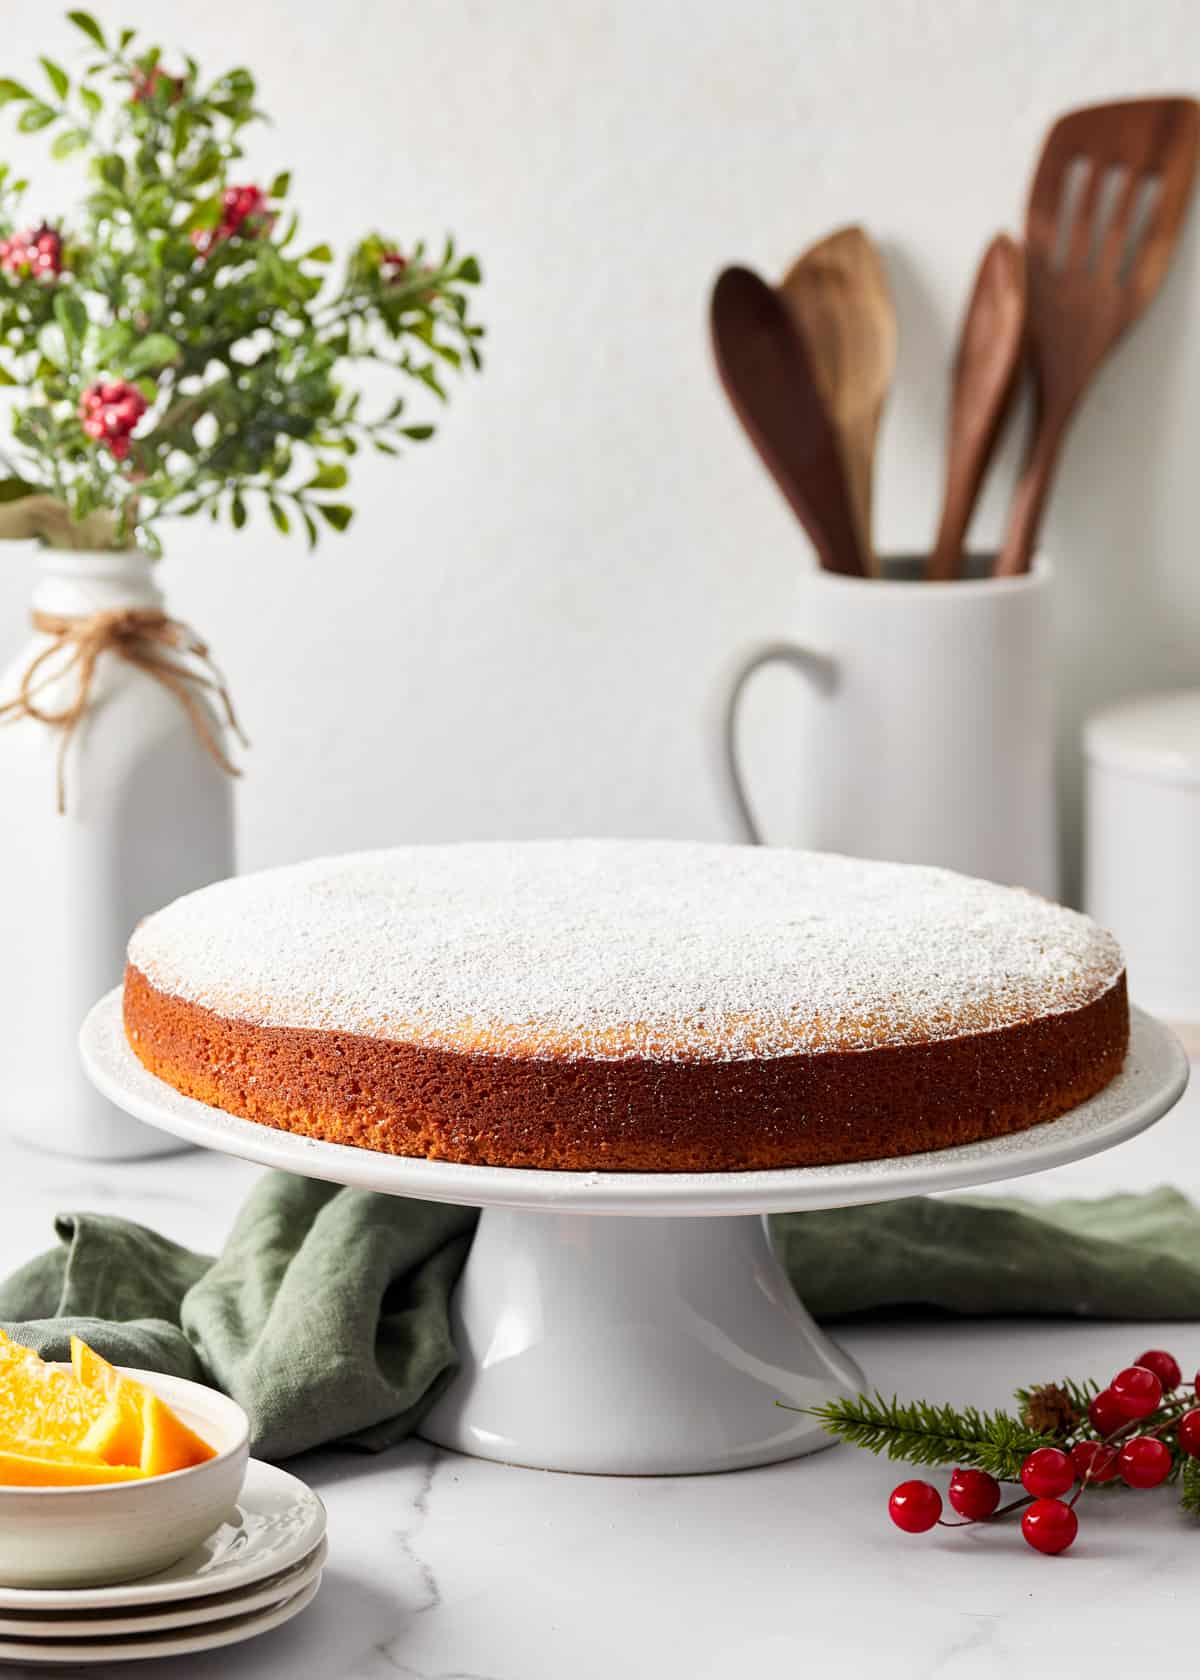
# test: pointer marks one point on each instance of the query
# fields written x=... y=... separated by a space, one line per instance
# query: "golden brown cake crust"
x=634 y=1113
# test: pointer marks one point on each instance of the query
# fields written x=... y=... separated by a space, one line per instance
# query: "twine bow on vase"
x=143 y=637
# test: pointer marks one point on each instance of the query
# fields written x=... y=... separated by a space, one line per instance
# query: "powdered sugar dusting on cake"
x=614 y=949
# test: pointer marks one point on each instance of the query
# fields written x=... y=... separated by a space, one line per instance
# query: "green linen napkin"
x=326 y=1314
x=1122 y=1256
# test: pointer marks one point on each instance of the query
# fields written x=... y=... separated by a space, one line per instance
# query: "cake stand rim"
x=1149 y=1085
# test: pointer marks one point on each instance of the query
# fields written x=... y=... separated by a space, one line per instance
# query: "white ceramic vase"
x=149 y=815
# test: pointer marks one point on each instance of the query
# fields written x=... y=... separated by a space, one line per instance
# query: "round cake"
x=627 y=1005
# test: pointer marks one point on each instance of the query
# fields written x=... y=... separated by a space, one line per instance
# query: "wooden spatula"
x=837 y=295
x=985 y=375
x=768 y=378
x=1108 y=199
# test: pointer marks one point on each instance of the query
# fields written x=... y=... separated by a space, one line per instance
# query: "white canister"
x=1142 y=860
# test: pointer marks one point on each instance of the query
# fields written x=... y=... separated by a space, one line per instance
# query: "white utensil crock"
x=924 y=727
x=149 y=815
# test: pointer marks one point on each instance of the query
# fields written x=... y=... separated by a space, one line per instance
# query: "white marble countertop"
x=449 y=1568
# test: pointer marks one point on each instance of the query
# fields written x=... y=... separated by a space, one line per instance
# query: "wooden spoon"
x=837 y=295
x=985 y=375
x=1108 y=200
x=767 y=376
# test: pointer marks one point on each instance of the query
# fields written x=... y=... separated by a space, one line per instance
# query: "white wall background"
x=523 y=632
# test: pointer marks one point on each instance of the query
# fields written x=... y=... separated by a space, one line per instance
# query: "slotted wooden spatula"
x=838 y=298
x=768 y=378
x=1108 y=199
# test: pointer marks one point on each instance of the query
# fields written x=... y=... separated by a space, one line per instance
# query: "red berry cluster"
x=1118 y=1448
x=36 y=251
x=110 y=409
x=393 y=266
x=147 y=83
x=243 y=211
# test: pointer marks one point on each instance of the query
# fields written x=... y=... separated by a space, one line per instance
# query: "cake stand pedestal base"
x=632 y=1347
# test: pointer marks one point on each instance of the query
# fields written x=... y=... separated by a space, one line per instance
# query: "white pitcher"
x=925 y=723
x=149 y=815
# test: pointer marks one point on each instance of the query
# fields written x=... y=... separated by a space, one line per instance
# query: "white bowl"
x=87 y=1536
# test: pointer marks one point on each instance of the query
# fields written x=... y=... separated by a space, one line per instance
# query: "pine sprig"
x=1189 y=1487
x=921 y=1433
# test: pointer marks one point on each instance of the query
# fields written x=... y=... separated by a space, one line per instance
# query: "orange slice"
x=42 y=1406
x=120 y=1440
x=89 y=1424
x=91 y=1367
x=61 y=1470
x=167 y=1442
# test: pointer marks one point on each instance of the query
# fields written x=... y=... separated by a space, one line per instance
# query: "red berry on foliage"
x=145 y=84
x=1047 y=1471
x=393 y=265
x=36 y=251
x=1049 y=1526
x=915 y=1506
x=45 y=250
x=239 y=203
x=1145 y=1461
x=1094 y=1462
x=1189 y=1433
x=1137 y=1391
x=109 y=410
x=1104 y=1414
x=243 y=211
x=974 y=1494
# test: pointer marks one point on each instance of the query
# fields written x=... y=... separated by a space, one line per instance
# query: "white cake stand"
x=659 y=1340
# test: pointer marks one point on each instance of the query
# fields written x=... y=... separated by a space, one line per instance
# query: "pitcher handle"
x=819 y=668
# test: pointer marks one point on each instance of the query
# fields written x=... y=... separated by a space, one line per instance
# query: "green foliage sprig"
x=213 y=346
x=921 y=1433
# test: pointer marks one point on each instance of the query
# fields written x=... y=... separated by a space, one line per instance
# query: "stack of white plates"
x=254 y=1573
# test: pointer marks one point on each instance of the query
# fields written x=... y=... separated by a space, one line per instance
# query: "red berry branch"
x=1069 y=1439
